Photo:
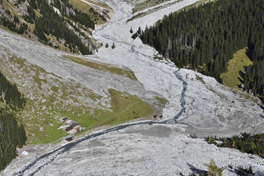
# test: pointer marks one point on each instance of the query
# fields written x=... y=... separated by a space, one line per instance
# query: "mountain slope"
x=57 y=87
x=64 y=25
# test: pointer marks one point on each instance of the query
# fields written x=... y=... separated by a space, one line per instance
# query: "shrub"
x=113 y=46
x=213 y=170
x=131 y=30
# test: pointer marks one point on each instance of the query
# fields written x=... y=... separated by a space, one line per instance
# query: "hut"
x=76 y=127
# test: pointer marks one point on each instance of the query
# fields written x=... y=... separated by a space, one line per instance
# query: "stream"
x=49 y=157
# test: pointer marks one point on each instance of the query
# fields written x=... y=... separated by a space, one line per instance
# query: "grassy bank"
x=235 y=65
x=100 y=66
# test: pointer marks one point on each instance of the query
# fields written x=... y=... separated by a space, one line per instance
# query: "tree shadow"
x=196 y=170
x=261 y=106
x=241 y=80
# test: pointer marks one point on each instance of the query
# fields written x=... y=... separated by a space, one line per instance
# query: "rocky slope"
x=137 y=150
x=196 y=105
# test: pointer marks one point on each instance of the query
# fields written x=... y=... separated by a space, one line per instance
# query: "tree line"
x=10 y=94
x=52 y=23
x=12 y=135
x=206 y=37
x=246 y=143
x=12 y=132
x=78 y=16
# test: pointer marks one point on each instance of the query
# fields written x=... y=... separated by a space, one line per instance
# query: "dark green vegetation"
x=21 y=29
x=52 y=23
x=12 y=24
x=57 y=24
x=12 y=133
x=206 y=37
x=213 y=170
x=245 y=172
x=10 y=94
x=246 y=143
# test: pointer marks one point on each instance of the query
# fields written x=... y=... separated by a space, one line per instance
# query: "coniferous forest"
x=206 y=37
x=245 y=143
x=52 y=23
x=48 y=21
x=12 y=132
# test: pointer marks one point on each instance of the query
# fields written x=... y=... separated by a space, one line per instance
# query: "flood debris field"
x=196 y=104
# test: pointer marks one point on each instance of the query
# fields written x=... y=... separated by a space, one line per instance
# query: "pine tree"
x=250 y=171
x=209 y=35
x=213 y=170
x=131 y=30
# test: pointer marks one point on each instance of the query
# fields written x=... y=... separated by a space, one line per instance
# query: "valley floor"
x=136 y=150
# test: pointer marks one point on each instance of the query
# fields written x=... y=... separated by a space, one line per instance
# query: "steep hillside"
x=124 y=79
x=59 y=85
x=12 y=133
x=65 y=25
x=205 y=39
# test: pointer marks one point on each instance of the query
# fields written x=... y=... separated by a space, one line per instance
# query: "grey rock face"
x=5 y=15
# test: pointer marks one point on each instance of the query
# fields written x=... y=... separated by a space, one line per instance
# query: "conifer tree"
x=205 y=38
x=131 y=30
x=213 y=170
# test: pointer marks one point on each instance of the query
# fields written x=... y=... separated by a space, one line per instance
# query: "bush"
x=7 y=11
x=134 y=36
x=131 y=30
x=241 y=171
x=250 y=171
x=16 y=20
x=28 y=19
x=213 y=170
